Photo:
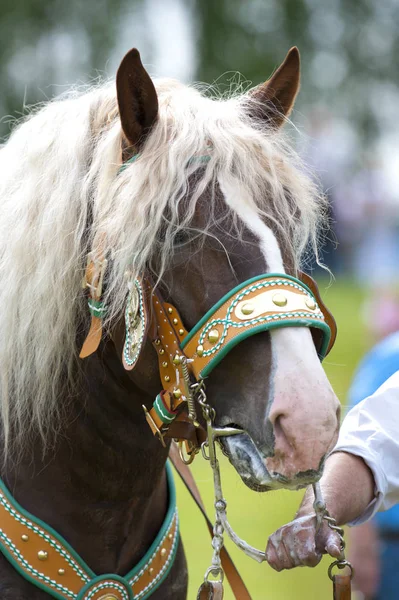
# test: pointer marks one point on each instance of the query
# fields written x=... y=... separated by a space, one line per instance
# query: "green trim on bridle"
x=97 y=308
x=128 y=162
x=262 y=323
x=204 y=159
x=163 y=413
x=269 y=326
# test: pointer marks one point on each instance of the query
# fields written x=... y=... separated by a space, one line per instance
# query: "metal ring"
x=215 y=572
x=205 y=445
x=190 y=457
x=340 y=564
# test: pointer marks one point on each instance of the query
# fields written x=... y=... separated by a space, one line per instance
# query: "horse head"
x=211 y=196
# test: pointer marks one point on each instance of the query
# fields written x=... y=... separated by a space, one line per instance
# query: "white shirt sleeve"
x=371 y=430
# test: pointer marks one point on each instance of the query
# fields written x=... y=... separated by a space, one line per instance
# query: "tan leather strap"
x=94 y=277
x=46 y=560
x=342 y=587
x=237 y=585
x=210 y=590
x=260 y=304
x=328 y=316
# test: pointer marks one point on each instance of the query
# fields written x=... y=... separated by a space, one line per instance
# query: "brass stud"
x=177 y=359
x=213 y=336
x=108 y=597
x=310 y=303
x=181 y=331
x=248 y=308
x=157 y=342
x=177 y=394
x=175 y=321
x=167 y=378
x=24 y=537
x=170 y=310
x=170 y=536
x=200 y=350
x=42 y=555
x=279 y=299
x=61 y=571
x=164 y=364
x=150 y=570
x=163 y=552
x=162 y=351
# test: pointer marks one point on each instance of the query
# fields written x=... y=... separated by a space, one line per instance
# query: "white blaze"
x=299 y=389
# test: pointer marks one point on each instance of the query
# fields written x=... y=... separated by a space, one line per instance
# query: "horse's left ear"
x=137 y=98
x=275 y=98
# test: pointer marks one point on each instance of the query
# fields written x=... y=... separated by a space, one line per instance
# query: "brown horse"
x=211 y=195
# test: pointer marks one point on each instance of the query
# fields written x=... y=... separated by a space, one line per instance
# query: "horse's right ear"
x=137 y=98
x=274 y=99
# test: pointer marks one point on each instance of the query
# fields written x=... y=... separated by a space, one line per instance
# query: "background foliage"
x=350 y=48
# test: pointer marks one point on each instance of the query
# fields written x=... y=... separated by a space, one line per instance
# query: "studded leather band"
x=46 y=560
x=260 y=304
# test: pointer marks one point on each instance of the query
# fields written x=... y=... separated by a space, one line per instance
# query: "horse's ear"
x=275 y=98
x=137 y=98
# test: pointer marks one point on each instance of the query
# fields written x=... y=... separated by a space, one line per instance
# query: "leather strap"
x=342 y=587
x=328 y=316
x=237 y=585
x=259 y=304
x=211 y=590
x=94 y=277
x=45 y=559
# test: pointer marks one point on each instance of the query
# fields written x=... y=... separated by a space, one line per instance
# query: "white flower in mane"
x=61 y=193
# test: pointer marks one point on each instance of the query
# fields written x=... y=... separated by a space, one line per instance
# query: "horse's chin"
x=250 y=465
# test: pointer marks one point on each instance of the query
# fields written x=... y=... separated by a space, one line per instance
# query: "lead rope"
x=341 y=582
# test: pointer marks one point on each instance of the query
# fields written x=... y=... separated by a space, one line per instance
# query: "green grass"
x=256 y=516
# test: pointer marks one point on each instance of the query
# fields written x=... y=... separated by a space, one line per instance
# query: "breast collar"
x=45 y=559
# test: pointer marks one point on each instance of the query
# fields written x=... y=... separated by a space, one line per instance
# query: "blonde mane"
x=59 y=174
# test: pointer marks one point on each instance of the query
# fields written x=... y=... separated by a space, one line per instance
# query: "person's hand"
x=296 y=544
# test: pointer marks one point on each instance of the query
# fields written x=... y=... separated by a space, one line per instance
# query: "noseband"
x=263 y=303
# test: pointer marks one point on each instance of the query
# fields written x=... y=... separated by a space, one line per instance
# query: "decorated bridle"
x=263 y=303
x=186 y=358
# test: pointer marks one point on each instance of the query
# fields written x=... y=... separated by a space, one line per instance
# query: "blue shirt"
x=375 y=368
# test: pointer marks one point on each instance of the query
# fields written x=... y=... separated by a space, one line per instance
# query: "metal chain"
x=322 y=514
x=208 y=452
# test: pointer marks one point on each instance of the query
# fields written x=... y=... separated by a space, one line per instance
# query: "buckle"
x=154 y=428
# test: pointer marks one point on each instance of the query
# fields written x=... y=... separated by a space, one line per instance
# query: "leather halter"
x=263 y=303
x=260 y=304
x=45 y=559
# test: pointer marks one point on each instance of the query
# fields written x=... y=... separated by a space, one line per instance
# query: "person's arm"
x=361 y=477
x=348 y=488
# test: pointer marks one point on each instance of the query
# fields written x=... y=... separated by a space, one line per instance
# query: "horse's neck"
x=103 y=486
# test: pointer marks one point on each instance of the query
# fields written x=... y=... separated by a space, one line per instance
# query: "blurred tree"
x=350 y=48
x=350 y=58
x=57 y=42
